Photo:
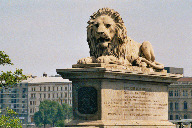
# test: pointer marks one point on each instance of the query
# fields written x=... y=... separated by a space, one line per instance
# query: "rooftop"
x=45 y=80
x=185 y=79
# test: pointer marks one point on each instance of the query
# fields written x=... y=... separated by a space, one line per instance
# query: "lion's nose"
x=100 y=29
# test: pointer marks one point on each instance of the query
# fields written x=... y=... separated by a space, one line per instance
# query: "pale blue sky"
x=44 y=35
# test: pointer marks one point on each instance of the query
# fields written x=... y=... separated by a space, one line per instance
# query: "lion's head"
x=105 y=33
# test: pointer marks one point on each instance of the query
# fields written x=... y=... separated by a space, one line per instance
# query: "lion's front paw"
x=86 y=60
x=106 y=59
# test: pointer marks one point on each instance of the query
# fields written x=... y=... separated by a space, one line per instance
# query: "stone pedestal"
x=117 y=97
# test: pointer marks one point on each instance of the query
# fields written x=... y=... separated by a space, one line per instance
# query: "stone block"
x=111 y=97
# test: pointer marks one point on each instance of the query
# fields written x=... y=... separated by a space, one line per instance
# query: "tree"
x=68 y=111
x=51 y=112
x=9 y=120
x=38 y=119
x=9 y=78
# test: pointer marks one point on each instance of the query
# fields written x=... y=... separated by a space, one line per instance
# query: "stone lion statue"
x=108 y=43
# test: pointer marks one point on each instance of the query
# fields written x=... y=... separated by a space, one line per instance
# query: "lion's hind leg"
x=148 y=51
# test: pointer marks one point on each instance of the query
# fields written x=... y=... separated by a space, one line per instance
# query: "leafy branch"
x=9 y=121
x=9 y=78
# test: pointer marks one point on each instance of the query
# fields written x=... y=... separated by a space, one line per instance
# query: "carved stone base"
x=110 y=97
x=121 y=124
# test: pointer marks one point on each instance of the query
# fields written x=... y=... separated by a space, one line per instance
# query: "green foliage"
x=38 y=119
x=60 y=123
x=68 y=111
x=51 y=112
x=9 y=78
x=4 y=58
x=9 y=121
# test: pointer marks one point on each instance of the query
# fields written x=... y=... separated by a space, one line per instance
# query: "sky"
x=44 y=35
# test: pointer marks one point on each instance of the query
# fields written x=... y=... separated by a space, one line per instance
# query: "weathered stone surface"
x=125 y=98
x=122 y=124
x=114 y=71
x=108 y=43
x=134 y=100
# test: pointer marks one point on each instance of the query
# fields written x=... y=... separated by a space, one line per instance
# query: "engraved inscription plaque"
x=135 y=101
x=87 y=100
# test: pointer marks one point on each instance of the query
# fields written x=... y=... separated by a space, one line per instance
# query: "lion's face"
x=104 y=30
x=105 y=33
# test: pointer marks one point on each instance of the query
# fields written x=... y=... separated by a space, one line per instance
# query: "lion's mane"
x=119 y=38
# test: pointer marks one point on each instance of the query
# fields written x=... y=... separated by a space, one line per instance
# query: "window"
x=53 y=89
x=61 y=88
x=65 y=94
x=170 y=93
x=44 y=95
x=176 y=106
x=24 y=95
x=65 y=88
x=171 y=117
x=23 y=90
x=176 y=117
x=185 y=105
x=185 y=93
x=171 y=105
x=48 y=95
x=40 y=95
x=34 y=89
x=40 y=88
x=176 y=92
x=57 y=95
x=44 y=88
x=61 y=95
x=185 y=116
x=33 y=95
x=57 y=88
x=48 y=88
x=30 y=102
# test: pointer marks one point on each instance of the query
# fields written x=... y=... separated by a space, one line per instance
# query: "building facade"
x=180 y=99
x=174 y=70
x=48 y=88
x=25 y=98
x=15 y=98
